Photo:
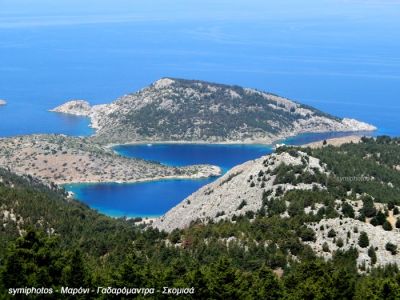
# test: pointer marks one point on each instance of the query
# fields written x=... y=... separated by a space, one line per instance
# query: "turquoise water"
x=146 y=199
x=342 y=57
x=157 y=197
x=154 y=198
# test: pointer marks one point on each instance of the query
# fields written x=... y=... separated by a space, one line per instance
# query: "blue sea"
x=342 y=57
x=157 y=197
x=146 y=199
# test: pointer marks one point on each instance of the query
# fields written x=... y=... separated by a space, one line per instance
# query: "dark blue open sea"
x=342 y=57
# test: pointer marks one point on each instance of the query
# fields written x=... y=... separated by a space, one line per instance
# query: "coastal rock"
x=357 y=125
x=74 y=107
x=2 y=102
x=173 y=109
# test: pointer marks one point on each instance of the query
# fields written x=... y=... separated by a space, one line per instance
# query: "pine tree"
x=325 y=247
x=331 y=233
x=363 y=240
x=387 y=226
x=396 y=211
x=392 y=248
x=380 y=218
x=266 y=285
x=75 y=273
x=372 y=255
x=348 y=210
x=368 y=209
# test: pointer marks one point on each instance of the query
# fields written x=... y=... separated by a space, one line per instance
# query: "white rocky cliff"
x=224 y=198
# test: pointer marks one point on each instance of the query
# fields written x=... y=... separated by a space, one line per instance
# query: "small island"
x=180 y=110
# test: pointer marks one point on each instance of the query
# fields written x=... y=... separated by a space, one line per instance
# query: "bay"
x=340 y=57
x=223 y=155
x=145 y=199
x=155 y=198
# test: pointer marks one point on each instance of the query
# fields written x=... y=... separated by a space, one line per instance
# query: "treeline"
x=38 y=260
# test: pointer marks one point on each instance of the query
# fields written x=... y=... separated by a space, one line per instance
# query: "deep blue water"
x=342 y=57
x=157 y=197
x=307 y=138
x=224 y=156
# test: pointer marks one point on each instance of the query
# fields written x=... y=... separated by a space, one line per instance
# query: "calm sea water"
x=342 y=57
x=156 y=198
x=224 y=156
x=146 y=199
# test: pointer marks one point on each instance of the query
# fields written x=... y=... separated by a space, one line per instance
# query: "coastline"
x=83 y=108
x=336 y=141
x=141 y=180
x=147 y=220
x=65 y=160
x=271 y=143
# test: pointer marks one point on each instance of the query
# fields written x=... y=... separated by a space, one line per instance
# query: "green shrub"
x=387 y=226
x=363 y=240
x=392 y=248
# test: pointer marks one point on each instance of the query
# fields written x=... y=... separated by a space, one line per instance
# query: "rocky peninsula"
x=61 y=159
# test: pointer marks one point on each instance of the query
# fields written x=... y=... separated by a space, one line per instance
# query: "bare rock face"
x=348 y=231
x=190 y=110
x=74 y=107
x=2 y=102
x=238 y=191
x=357 y=125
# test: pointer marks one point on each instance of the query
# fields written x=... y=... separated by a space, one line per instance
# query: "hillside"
x=305 y=235
x=190 y=110
x=26 y=203
x=355 y=185
x=61 y=159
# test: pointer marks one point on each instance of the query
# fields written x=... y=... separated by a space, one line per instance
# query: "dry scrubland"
x=62 y=159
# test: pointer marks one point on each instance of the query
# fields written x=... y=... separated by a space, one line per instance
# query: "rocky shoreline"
x=120 y=123
x=335 y=141
x=62 y=160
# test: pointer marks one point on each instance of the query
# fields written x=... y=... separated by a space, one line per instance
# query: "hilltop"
x=191 y=110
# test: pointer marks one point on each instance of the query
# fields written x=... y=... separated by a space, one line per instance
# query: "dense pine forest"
x=49 y=240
